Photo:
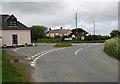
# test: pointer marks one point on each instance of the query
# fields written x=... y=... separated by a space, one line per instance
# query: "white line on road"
x=16 y=49
x=78 y=51
x=39 y=55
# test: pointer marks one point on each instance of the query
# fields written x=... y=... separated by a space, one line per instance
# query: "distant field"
x=0 y=65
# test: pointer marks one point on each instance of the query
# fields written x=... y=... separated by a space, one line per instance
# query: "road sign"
x=83 y=38
x=67 y=39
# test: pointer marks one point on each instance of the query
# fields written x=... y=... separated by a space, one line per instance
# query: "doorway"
x=14 y=39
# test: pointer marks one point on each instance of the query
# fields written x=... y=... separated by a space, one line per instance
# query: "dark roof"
x=59 y=31
x=70 y=35
x=4 y=25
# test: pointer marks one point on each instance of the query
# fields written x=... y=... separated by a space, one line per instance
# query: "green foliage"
x=38 y=32
x=64 y=44
x=112 y=47
x=95 y=41
x=49 y=40
x=96 y=37
x=79 y=31
x=12 y=72
x=114 y=33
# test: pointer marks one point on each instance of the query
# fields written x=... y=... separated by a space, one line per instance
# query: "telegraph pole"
x=76 y=22
x=94 y=27
x=94 y=32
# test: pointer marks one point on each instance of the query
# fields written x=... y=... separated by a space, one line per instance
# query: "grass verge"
x=112 y=47
x=65 y=44
x=12 y=72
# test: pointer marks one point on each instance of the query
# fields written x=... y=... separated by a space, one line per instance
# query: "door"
x=14 y=39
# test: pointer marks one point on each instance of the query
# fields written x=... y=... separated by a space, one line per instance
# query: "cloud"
x=57 y=14
x=60 y=0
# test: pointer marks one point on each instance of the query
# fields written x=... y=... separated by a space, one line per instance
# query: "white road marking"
x=39 y=53
x=33 y=62
x=17 y=49
x=32 y=65
x=42 y=54
x=78 y=51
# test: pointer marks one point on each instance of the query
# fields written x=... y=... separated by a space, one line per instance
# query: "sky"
x=55 y=14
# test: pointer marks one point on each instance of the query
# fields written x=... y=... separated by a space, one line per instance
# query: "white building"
x=13 y=32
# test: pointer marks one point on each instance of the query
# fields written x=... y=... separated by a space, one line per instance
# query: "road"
x=79 y=63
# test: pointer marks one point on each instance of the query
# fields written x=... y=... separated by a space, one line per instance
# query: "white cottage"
x=13 y=32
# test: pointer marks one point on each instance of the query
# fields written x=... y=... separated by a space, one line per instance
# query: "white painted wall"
x=24 y=36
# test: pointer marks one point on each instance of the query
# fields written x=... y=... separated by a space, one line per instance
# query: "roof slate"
x=4 y=25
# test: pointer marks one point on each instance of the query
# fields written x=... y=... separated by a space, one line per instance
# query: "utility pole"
x=94 y=27
x=76 y=22
x=94 y=32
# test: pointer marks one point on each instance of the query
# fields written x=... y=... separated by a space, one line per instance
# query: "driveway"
x=79 y=63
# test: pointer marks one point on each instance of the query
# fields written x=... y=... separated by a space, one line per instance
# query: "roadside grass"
x=12 y=72
x=63 y=44
x=112 y=47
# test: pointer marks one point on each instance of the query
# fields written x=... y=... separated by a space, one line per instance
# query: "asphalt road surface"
x=79 y=63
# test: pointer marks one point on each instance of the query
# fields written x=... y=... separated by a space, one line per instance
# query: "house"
x=58 y=32
x=13 y=32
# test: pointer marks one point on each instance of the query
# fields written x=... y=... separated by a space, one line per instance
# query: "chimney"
x=60 y=27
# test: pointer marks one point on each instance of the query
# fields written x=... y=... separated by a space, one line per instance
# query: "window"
x=12 y=23
x=14 y=39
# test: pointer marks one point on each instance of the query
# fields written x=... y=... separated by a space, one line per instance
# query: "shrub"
x=49 y=40
x=112 y=47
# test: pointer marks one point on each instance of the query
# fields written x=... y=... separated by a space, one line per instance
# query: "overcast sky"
x=62 y=14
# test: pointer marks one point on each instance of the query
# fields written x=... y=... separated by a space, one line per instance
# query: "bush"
x=49 y=40
x=95 y=41
x=112 y=47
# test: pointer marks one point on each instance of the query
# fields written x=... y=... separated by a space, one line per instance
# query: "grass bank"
x=63 y=44
x=112 y=47
x=12 y=72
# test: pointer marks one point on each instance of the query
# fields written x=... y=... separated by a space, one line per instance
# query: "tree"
x=114 y=33
x=99 y=37
x=38 y=32
x=89 y=37
x=79 y=32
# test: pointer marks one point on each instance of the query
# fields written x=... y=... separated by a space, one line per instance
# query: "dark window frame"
x=14 y=39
